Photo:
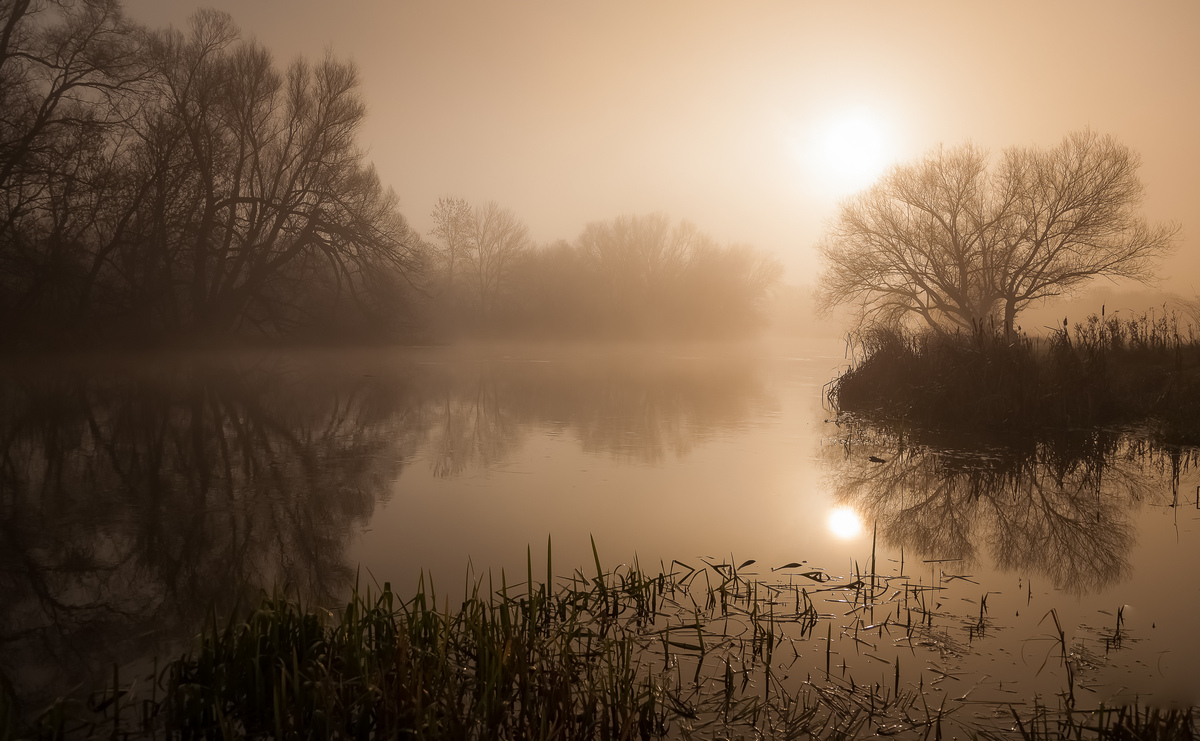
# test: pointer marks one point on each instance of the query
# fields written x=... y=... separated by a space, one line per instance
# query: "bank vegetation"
x=1105 y=371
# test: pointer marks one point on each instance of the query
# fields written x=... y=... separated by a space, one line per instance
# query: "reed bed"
x=694 y=651
x=1105 y=371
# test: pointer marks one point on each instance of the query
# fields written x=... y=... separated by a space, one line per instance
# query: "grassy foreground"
x=1107 y=371
x=687 y=653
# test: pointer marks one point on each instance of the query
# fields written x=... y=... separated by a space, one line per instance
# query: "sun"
x=852 y=147
x=845 y=151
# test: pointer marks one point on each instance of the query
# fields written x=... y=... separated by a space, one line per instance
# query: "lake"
x=143 y=493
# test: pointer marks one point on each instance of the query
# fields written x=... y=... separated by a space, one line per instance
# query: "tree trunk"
x=1010 y=315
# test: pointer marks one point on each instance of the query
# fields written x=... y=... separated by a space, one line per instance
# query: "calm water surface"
x=139 y=493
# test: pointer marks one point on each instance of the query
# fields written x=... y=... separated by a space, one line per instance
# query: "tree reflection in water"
x=133 y=504
x=136 y=501
x=639 y=409
x=1060 y=507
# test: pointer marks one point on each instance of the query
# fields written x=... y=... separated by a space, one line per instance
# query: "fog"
x=721 y=115
x=300 y=295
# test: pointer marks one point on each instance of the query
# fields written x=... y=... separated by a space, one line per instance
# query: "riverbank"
x=1103 y=372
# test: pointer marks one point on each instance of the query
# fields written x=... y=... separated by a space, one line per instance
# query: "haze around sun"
x=844 y=151
x=751 y=122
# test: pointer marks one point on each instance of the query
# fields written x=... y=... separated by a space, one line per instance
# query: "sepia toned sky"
x=749 y=119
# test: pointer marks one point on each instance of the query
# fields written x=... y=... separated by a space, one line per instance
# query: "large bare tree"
x=953 y=243
x=152 y=182
x=70 y=75
x=1075 y=217
x=276 y=198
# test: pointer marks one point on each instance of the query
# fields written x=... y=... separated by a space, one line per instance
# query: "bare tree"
x=639 y=254
x=498 y=242
x=275 y=197
x=453 y=228
x=1073 y=217
x=953 y=244
x=62 y=65
x=913 y=244
x=656 y=277
x=70 y=76
x=178 y=180
x=638 y=261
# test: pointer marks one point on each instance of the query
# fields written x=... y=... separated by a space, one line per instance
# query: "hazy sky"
x=750 y=119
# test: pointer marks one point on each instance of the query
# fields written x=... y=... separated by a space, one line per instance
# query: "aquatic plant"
x=705 y=650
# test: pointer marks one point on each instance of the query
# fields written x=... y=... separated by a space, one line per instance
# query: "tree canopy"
x=961 y=244
x=158 y=183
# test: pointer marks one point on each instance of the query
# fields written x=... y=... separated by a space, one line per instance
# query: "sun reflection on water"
x=844 y=523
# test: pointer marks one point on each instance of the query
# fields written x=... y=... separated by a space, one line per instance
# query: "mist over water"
x=141 y=494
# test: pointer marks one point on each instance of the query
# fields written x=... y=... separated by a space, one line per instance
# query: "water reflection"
x=1063 y=508
x=641 y=408
x=844 y=522
x=133 y=503
x=470 y=425
x=137 y=497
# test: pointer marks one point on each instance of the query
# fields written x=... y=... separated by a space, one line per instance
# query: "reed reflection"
x=133 y=505
x=1062 y=508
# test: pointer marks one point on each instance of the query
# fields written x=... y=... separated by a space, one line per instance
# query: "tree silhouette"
x=158 y=182
x=499 y=241
x=276 y=198
x=952 y=243
x=452 y=227
x=478 y=251
x=71 y=75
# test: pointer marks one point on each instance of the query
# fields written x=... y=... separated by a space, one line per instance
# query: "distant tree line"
x=632 y=276
x=170 y=184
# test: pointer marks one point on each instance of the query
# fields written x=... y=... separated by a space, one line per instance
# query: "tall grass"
x=1105 y=371
x=584 y=656
x=698 y=651
x=508 y=661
